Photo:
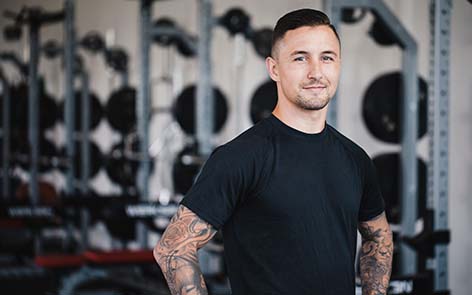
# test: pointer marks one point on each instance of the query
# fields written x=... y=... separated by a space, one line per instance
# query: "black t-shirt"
x=288 y=204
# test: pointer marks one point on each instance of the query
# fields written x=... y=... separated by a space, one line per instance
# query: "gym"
x=110 y=108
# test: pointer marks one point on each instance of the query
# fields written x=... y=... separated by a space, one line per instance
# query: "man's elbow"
x=159 y=253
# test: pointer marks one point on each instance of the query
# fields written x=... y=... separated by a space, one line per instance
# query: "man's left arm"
x=375 y=255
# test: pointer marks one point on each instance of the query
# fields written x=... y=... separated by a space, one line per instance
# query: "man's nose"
x=315 y=71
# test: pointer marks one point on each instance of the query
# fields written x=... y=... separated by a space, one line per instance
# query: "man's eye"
x=300 y=58
x=327 y=58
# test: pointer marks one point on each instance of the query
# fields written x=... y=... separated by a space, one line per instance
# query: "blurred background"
x=102 y=142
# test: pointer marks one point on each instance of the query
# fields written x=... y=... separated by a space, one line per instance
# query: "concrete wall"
x=362 y=61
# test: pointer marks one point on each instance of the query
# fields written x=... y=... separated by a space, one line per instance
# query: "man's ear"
x=272 y=69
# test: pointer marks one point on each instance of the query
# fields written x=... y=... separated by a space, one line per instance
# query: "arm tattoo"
x=375 y=256
x=176 y=252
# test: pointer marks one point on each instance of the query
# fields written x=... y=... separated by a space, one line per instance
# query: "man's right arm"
x=176 y=252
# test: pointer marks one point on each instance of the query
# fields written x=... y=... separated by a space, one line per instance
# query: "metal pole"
x=204 y=100
x=239 y=57
x=438 y=130
x=85 y=143
x=408 y=172
x=69 y=104
x=124 y=78
x=143 y=114
x=33 y=109
x=334 y=13
x=6 y=137
x=409 y=122
x=85 y=156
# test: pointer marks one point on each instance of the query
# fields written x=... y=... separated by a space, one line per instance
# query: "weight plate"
x=121 y=109
x=382 y=104
x=263 y=101
x=184 y=109
x=186 y=166
x=123 y=163
x=236 y=21
x=388 y=172
x=262 y=42
x=96 y=110
x=48 y=110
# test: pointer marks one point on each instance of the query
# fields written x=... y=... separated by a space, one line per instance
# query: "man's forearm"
x=376 y=261
x=176 y=252
x=182 y=273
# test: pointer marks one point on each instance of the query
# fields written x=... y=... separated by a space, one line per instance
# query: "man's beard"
x=312 y=104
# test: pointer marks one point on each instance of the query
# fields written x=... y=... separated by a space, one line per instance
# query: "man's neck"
x=306 y=121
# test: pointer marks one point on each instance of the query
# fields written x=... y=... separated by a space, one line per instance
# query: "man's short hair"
x=300 y=18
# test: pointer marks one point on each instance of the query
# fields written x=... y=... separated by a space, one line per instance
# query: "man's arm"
x=376 y=255
x=176 y=252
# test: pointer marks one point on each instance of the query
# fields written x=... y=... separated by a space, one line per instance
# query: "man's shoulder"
x=348 y=143
x=256 y=136
x=254 y=144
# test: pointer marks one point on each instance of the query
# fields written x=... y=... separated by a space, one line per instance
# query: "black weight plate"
x=117 y=59
x=236 y=21
x=121 y=109
x=93 y=42
x=352 y=15
x=52 y=49
x=388 y=174
x=184 y=170
x=382 y=103
x=121 y=168
x=164 y=39
x=186 y=49
x=116 y=220
x=381 y=34
x=12 y=32
x=263 y=101
x=96 y=160
x=184 y=109
x=11 y=111
x=48 y=109
x=262 y=42
x=47 y=150
x=96 y=110
x=19 y=103
x=18 y=138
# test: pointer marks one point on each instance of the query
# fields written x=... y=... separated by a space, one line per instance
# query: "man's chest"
x=304 y=184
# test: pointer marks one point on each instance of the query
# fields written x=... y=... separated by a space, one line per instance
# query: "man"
x=290 y=192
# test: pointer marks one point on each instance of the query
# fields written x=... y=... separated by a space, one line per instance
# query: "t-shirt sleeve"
x=372 y=203
x=227 y=176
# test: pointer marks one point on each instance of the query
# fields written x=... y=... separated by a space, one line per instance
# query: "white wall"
x=362 y=61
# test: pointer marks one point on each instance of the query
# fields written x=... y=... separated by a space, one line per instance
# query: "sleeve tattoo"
x=176 y=252
x=375 y=255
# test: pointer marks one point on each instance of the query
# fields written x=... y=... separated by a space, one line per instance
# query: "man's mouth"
x=314 y=87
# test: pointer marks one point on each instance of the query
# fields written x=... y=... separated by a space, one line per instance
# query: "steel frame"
x=408 y=172
x=438 y=131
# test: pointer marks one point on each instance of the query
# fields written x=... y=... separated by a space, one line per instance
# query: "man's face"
x=306 y=66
